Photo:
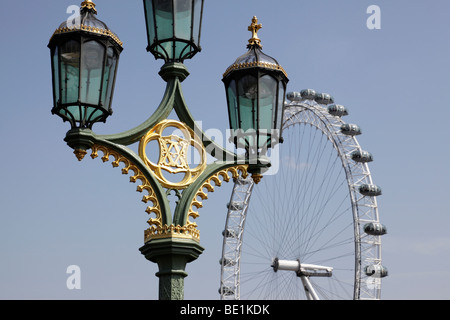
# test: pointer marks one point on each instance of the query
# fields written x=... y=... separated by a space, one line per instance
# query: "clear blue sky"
x=57 y=212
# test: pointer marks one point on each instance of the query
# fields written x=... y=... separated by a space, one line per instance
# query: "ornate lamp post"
x=84 y=64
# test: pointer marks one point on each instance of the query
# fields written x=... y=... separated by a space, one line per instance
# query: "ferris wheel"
x=312 y=228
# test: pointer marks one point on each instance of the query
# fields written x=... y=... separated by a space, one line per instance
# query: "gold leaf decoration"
x=138 y=175
x=172 y=231
x=202 y=195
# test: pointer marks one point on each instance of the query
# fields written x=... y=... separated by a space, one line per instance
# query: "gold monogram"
x=173 y=154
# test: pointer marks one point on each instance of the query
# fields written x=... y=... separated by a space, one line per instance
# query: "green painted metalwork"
x=172 y=241
x=171 y=254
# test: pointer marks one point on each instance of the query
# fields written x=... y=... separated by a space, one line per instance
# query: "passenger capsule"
x=370 y=190
x=337 y=110
x=362 y=156
x=351 y=129
x=308 y=94
x=294 y=96
x=227 y=262
x=229 y=233
x=375 y=229
x=235 y=205
x=227 y=291
x=323 y=98
x=376 y=270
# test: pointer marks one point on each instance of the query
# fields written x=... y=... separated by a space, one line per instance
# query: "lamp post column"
x=171 y=255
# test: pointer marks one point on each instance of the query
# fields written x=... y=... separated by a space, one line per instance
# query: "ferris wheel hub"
x=302 y=269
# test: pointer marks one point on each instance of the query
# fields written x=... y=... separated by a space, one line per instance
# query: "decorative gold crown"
x=88 y=4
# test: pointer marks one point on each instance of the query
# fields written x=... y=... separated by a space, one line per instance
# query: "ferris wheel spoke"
x=262 y=282
x=330 y=237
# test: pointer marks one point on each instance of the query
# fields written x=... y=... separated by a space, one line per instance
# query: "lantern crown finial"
x=254 y=28
x=89 y=5
x=254 y=58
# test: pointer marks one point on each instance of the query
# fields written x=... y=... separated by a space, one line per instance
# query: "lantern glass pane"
x=267 y=102
x=108 y=77
x=150 y=21
x=248 y=95
x=248 y=104
x=164 y=18
x=55 y=64
x=197 y=21
x=183 y=19
x=233 y=105
x=70 y=71
x=280 y=111
x=181 y=49
x=73 y=112
x=92 y=59
x=166 y=49
x=93 y=114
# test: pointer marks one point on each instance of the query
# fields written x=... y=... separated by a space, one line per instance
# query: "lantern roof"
x=87 y=23
x=255 y=58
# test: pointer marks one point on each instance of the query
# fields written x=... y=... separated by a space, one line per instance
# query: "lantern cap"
x=255 y=58
x=88 y=23
x=89 y=5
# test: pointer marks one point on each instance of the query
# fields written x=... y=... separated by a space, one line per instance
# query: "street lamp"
x=255 y=86
x=84 y=65
x=84 y=57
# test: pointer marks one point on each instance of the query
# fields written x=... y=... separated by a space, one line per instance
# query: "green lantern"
x=173 y=28
x=255 y=87
x=84 y=57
